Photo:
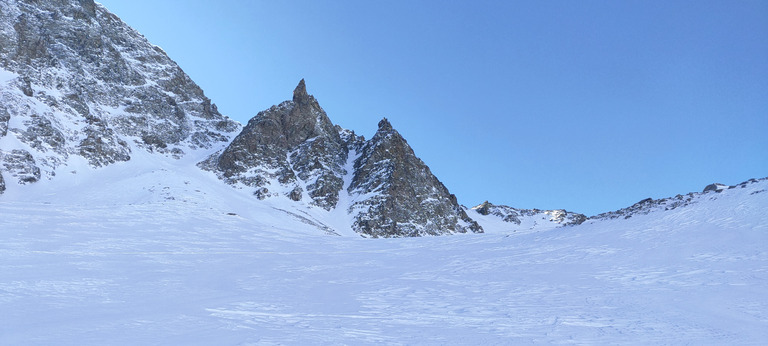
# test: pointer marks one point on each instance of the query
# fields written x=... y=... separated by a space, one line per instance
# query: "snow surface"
x=155 y=251
x=6 y=76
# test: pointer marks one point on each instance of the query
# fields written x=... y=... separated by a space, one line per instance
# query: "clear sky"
x=589 y=106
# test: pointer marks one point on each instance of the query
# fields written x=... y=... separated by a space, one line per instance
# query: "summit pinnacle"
x=384 y=125
x=300 y=93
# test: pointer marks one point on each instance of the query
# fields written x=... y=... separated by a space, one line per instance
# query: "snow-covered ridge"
x=505 y=219
x=711 y=191
x=502 y=218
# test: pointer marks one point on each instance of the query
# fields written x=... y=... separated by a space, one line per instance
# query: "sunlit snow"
x=6 y=76
x=154 y=251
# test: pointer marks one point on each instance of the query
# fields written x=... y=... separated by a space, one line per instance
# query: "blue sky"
x=589 y=106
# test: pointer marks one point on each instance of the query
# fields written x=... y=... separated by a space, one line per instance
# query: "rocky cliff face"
x=401 y=195
x=77 y=82
x=293 y=150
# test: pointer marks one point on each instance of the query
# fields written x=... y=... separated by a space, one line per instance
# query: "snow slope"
x=152 y=251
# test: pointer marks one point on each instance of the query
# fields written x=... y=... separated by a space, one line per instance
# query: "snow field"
x=162 y=255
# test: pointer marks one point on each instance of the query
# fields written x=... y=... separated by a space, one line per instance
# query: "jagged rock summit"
x=293 y=151
x=76 y=83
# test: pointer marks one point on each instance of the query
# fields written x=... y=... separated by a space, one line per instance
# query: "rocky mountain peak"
x=291 y=150
x=405 y=198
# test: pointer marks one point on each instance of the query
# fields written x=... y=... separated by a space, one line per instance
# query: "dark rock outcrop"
x=102 y=147
x=717 y=187
x=4 y=118
x=21 y=164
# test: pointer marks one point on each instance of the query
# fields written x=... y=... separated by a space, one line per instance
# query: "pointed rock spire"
x=300 y=95
x=384 y=125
